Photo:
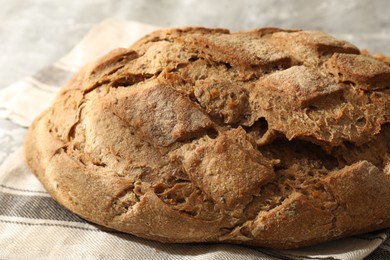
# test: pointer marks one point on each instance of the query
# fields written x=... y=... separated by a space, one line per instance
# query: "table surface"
x=34 y=33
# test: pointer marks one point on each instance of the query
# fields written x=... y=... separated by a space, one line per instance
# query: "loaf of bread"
x=268 y=137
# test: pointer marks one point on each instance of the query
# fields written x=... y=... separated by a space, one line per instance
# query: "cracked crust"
x=268 y=137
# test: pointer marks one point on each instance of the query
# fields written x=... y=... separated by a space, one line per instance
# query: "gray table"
x=35 y=33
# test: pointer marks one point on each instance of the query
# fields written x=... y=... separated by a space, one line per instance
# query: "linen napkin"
x=34 y=226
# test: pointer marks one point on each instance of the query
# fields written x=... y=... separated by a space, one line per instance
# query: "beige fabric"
x=56 y=233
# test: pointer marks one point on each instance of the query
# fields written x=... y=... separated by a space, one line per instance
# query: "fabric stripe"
x=41 y=86
x=23 y=190
x=55 y=242
x=35 y=207
x=62 y=64
x=9 y=190
x=53 y=75
x=48 y=224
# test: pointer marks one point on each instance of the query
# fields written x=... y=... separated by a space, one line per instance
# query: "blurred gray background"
x=35 y=33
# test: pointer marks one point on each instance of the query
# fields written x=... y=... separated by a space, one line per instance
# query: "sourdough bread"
x=268 y=137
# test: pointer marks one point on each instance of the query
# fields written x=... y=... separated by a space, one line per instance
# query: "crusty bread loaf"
x=269 y=137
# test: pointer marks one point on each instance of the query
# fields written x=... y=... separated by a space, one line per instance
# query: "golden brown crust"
x=268 y=137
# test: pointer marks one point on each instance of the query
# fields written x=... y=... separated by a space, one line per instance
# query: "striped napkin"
x=34 y=226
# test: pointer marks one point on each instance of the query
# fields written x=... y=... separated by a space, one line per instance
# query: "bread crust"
x=268 y=137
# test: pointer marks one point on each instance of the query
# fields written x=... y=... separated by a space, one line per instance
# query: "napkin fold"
x=34 y=226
